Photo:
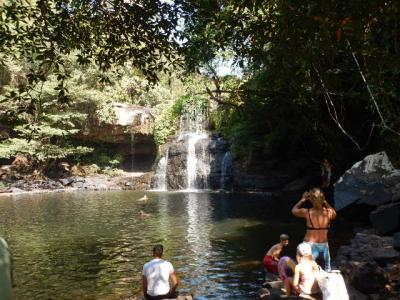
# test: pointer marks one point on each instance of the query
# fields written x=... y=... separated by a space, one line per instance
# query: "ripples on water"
x=93 y=245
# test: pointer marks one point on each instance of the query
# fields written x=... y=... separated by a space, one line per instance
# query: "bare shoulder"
x=300 y=212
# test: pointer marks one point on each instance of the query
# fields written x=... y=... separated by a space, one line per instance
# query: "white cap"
x=304 y=249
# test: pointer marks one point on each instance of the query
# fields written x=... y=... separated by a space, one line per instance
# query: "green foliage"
x=167 y=116
x=39 y=151
x=166 y=121
x=302 y=82
x=107 y=33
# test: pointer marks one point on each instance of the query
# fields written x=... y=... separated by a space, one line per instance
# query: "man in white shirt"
x=156 y=275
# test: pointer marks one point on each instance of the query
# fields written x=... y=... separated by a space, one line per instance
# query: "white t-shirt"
x=157 y=272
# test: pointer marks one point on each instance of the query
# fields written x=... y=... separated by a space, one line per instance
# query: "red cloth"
x=270 y=264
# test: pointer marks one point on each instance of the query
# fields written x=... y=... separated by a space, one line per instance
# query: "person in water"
x=318 y=219
x=271 y=258
x=156 y=276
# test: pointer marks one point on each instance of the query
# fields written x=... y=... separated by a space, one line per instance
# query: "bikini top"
x=312 y=226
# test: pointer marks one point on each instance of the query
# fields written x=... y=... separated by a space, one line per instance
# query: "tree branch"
x=383 y=122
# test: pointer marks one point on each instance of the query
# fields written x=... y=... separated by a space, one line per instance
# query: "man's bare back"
x=275 y=251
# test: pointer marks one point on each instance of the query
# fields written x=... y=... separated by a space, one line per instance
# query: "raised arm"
x=297 y=210
x=332 y=211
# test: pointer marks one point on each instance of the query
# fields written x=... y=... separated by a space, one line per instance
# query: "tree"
x=304 y=60
x=108 y=33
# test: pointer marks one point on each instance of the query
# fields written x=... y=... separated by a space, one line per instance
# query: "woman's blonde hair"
x=316 y=197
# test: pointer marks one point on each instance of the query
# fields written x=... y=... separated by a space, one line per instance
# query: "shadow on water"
x=93 y=245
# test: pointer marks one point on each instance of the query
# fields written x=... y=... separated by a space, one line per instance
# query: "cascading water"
x=132 y=151
x=194 y=159
x=161 y=173
x=226 y=171
x=193 y=138
x=193 y=130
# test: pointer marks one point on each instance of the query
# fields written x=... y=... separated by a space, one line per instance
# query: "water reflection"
x=94 y=245
x=198 y=228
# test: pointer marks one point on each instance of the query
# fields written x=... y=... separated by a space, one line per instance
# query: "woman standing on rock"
x=318 y=219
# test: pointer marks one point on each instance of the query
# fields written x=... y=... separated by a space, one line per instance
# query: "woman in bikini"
x=318 y=219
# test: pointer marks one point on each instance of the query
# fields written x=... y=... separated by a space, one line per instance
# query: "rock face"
x=371 y=265
x=130 y=133
x=209 y=151
x=127 y=119
x=368 y=184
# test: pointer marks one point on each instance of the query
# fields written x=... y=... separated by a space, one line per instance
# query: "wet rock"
x=386 y=218
x=176 y=166
x=368 y=183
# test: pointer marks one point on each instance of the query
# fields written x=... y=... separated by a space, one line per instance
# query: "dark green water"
x=93 y=245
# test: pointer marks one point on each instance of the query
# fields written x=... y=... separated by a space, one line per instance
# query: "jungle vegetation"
x=317 y=79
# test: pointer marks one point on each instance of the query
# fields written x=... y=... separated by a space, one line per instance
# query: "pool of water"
x=93 y=245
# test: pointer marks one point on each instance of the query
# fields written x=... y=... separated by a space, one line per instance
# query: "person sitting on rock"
x=156 y=275
x=286 y=267
x=318 y=219
x=304 y=281
x=271 y=258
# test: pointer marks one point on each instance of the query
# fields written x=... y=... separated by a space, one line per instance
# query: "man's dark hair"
x=158 y=250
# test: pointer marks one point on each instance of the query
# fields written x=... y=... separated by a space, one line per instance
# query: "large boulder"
x=369 y=264
x=368 y=184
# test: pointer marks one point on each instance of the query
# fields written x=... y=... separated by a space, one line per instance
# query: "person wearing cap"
x=271 y=258
x=156 y=276
x=304 y=281
x=318 y=219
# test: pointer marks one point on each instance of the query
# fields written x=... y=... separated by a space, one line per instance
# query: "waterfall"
x=226 y=171
x=193 y=138
x=194 y=158
x=132 y=151
x=161 y=173
x=192 y=129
